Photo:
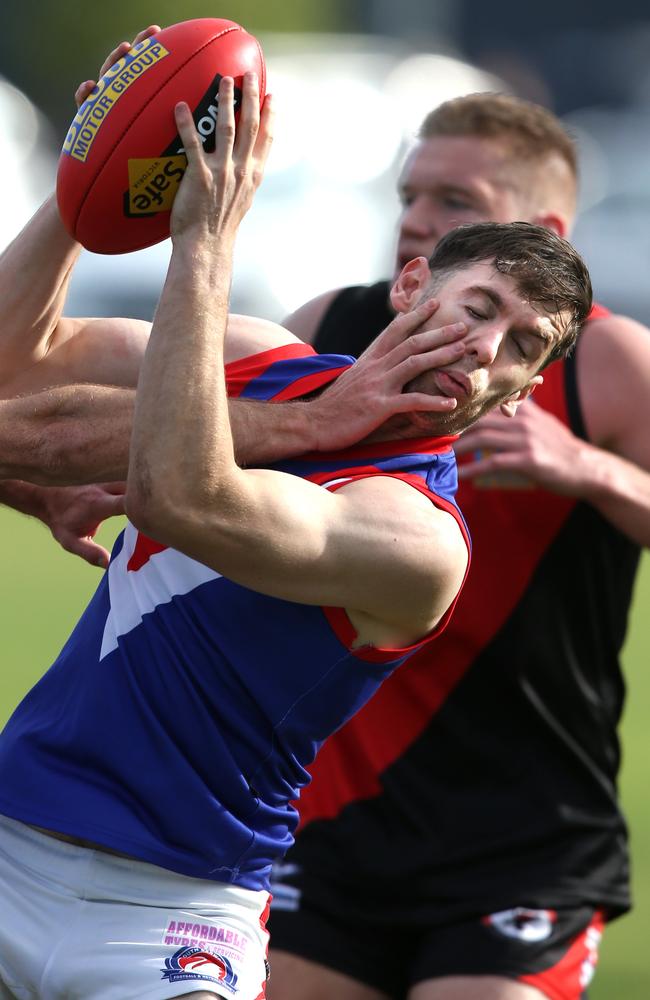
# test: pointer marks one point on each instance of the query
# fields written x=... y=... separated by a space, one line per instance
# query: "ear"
x=554 y=221
x=411 y=282
x=509 y=406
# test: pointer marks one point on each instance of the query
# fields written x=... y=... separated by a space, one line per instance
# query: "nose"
x=484 y=340
x=419 y=218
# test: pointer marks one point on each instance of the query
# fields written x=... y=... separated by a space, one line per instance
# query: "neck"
x=397 y=427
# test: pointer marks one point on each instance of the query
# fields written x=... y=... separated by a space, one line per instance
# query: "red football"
x=122 y=159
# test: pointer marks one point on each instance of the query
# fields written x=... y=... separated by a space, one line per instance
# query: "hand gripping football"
x=122 y=159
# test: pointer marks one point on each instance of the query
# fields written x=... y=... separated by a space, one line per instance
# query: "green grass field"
x=43 y=590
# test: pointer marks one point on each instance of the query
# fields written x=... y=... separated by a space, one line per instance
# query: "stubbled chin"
x=458 y=420
x=442 y=424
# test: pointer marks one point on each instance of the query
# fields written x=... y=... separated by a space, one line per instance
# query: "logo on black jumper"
x=522 y=923
x=196 y=963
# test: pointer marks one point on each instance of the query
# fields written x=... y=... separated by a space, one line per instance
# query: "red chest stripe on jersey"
x=345 y=475
x=239 y=373
x=350 y=763
x=144 y=549
x=309 y=383
x=409 y=446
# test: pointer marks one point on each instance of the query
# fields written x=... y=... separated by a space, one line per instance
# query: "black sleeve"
x=355 y=317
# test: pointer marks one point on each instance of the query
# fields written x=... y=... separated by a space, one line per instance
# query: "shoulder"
x=611 y=328
x=613 y=370
x=98 y=350
x=431 y=534
x=249 y=335
x=306 y=320
x=610 y=347
x=418 y=550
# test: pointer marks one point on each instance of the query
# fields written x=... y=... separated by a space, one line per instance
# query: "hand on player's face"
x=372 y=390
x=86 y=88
x=218 y=188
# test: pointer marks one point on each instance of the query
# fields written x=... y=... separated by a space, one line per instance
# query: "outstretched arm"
x=35 y=272
x=272 y=532
x=39 y=346
x=66 y=435
x=80 y=433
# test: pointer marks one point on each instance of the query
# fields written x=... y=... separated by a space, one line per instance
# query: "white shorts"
x=81 y=924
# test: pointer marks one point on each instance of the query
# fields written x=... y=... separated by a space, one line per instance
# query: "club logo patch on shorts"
x=523 y=924
x=196 y=963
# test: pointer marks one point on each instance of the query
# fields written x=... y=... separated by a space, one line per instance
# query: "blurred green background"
x=49 y=73
x=43 y=589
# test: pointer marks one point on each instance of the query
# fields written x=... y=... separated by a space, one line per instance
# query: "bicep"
x=94 y=351
x=249 y=335
x=614 y=385
x=110 y=351
x=377 y=546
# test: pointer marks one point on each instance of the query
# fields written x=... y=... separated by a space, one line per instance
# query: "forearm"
x=81 y=434
x=618 y=489
x=182 y=454
x=181 y=439
x=35 y=271
x=67 y=435
x=265 y=432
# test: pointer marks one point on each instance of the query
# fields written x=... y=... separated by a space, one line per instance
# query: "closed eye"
x=474 y=314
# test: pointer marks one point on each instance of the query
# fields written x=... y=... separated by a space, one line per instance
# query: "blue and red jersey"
x=178 y=721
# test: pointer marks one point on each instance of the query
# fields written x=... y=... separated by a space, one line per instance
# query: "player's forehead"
x=480 y=274
x=455 y=161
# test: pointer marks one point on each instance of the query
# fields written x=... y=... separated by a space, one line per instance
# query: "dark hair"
x=547 y=270
x=530 y=131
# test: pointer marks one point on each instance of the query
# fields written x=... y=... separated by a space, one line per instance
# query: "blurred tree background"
x=47 y=49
